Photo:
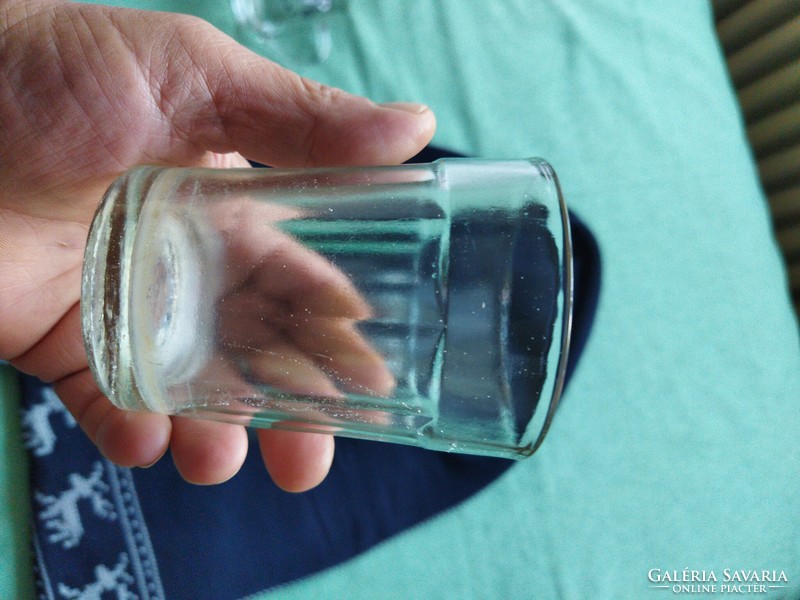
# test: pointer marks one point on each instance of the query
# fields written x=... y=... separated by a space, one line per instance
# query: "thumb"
x=237 y=101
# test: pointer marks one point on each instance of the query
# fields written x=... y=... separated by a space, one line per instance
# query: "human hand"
x=88 y=91
x=286 y=317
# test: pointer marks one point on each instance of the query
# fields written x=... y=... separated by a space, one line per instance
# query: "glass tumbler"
x=289 y=31
x=423 y=304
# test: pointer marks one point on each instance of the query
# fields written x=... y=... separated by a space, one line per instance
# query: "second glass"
x=423 y=304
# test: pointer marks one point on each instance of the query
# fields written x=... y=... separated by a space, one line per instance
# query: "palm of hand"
x=85 y=93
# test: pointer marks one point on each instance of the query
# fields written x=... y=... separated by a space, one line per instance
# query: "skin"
x=88 y=91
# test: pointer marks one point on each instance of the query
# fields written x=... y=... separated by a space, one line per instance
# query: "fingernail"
x=160 y=456
x=410 y=107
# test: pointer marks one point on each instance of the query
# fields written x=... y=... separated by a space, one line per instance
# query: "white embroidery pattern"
x=114 y=580
x=38 y=434
x=60 y=513
x=109 y=494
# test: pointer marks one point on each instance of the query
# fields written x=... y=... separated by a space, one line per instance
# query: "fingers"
x=282 y=367
x=207 y=452
x=296 y=461
x=204 y=452
x=309 y=282
x=129 y=439
x=326 y=127
x=285 y=270
x=235 y=100
x=343 y=354
x=294 y=350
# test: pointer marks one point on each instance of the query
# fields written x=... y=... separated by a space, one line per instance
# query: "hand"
x=286 y=317
x=88 y=91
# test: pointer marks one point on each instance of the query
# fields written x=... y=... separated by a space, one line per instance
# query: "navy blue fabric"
x=90 y=537
x=152 y=535
x=586 y=272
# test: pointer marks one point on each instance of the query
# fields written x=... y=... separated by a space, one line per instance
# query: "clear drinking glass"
x=423 y=304
x=288 y=31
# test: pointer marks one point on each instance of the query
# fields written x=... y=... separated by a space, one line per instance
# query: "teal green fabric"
x=676 y=444
x=15 y=554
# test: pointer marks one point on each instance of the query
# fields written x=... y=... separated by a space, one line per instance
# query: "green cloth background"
x=15 y=509
x=677 y=442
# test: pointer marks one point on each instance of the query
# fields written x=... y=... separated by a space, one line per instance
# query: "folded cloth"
x=145 y=533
